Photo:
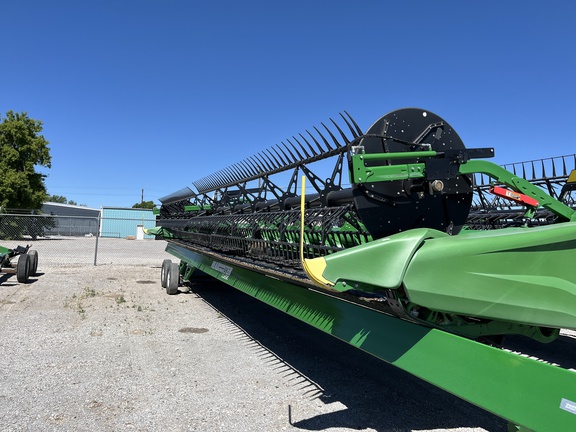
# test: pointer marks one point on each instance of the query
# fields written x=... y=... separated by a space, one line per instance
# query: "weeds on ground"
x=76 y=301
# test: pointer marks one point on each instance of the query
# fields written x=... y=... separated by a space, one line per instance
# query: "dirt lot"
x=104 y=348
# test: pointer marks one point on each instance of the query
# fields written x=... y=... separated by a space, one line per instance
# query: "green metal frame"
x=361 y=173
x=526 y=392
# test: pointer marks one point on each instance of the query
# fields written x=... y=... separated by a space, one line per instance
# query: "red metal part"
x=514 y=196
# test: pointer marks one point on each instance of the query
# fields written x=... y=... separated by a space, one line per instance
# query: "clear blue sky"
x=154 y=94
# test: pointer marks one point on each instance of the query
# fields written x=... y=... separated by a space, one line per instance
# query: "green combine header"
x=412 y=248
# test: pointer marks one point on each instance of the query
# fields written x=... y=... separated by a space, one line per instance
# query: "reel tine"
x=220 y=179
x=523 y=170
x=326 y=143
x=310 y=145
x=231 y=173
x=294 y=158
x=208 y=181
x=260 y=162
x=265 y=162
x=315 y=141
x=284 y=163
x=302 y=148
x=564 y=171
x=269 y=159
x=235 y=172
x=211 y=182
x=297 y=152
x=344 y=137
x=256 y=166
x=239 y=170
x=354 y=134
x=553 y=168
x=227 y=176
x=278 y=164
x=533 y=171
x=249 y=168
x=244 y=169
x=332 y=136
x=543 y=169
x=355 y=124
x=290 y=153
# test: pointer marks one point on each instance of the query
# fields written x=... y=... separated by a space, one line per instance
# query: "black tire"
x=23 y=268
x=164 y=272
x=33 y=262
x=172 y=279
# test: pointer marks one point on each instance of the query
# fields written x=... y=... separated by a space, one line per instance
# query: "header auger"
x=403 y=241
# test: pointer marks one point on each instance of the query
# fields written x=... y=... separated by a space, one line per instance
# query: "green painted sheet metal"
x=522 y=275
x=381 y=263
x=524 y=391
x=159 y=231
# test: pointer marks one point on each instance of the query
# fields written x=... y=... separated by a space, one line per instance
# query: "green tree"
x=57 y=199
x=22 y=149
x=145 y=205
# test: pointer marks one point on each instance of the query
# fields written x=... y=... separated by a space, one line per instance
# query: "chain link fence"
x=81 y=240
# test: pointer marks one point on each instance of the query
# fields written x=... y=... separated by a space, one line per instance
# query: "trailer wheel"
x=172 y=278
x=164 y=272
x=33 y=262
x=23 y=268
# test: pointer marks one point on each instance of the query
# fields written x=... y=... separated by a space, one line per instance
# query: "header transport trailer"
x=412 y=248
x=26 y=265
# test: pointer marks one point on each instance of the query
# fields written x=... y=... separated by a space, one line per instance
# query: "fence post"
x=97 y=237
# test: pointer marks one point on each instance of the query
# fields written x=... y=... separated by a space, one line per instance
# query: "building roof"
x=71 y=206
x=59 y=209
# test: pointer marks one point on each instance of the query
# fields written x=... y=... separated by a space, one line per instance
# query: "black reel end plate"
x=389 y=207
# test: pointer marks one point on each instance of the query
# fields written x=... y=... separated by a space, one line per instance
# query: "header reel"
x=441 y=200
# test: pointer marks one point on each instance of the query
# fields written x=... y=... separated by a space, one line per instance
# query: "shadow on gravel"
x=9 y=279
x=376 y=395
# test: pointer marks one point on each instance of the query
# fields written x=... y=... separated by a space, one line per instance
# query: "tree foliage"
x=22 y=149
x=145 y=205
x=57 y=199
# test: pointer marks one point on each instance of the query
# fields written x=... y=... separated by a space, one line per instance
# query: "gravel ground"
x=104 y=348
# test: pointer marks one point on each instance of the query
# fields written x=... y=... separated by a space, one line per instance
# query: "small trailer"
x=26 y=264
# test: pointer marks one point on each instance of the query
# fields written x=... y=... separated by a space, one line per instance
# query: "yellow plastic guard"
x=314 y=268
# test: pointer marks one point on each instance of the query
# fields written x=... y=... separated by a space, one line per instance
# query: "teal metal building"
x=126 y=222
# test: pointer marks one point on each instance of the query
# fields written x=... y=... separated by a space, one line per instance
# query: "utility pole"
x=142 y=200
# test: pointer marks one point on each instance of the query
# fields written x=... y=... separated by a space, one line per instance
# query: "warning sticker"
x=568 y=405
x=224 y=269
